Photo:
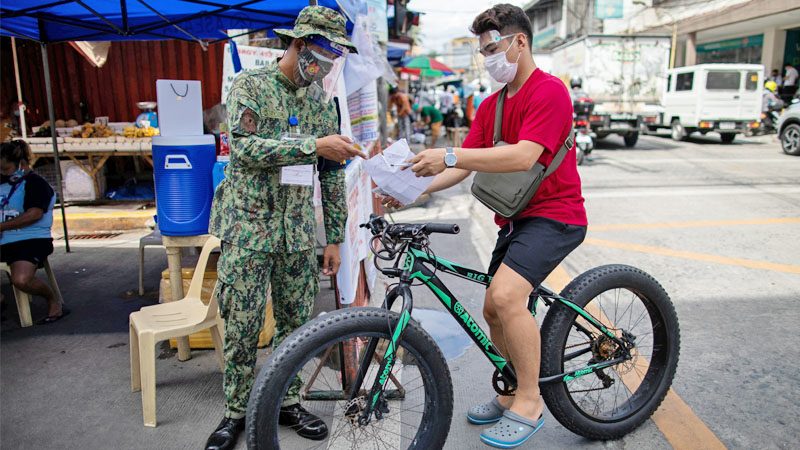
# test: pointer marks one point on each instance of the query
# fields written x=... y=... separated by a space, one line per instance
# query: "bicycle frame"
x=415 y=267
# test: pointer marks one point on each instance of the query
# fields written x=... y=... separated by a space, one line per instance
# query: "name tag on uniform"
x=298 y=175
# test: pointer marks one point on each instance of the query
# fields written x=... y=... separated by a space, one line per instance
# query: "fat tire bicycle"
x=610 y=347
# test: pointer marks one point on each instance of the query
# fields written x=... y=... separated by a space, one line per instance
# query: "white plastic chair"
x=24 y=299
x=156 y=323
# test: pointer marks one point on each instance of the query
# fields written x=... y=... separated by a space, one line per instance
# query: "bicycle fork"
x=374 y=401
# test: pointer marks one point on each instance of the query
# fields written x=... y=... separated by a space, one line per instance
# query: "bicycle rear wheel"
x=610 y=403
x=416 y=415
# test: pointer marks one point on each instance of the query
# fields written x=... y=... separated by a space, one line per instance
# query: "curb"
x=103 y=222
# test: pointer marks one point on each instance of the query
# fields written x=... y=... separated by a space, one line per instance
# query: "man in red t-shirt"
x=537 y=120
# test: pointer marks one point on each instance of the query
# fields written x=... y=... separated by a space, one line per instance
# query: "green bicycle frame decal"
x=388 y=357
x=467 y=322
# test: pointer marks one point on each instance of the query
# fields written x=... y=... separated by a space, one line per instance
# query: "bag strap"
x=561 y=154
x=498 y=131
x=498 y=116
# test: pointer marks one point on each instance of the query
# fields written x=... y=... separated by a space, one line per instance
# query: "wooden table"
x=174 y=246
x=94 y=160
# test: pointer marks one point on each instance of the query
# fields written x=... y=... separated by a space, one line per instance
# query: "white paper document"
x=386 y=170
x=298 y=175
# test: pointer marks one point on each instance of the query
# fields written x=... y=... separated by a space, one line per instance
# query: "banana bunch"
x=136 y=132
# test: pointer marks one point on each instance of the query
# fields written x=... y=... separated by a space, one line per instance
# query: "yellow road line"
x=663 y=251
x=674 y=418
x=693 y=224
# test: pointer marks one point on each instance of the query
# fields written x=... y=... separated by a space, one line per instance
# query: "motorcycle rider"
x=576 y=92
x=770 y=103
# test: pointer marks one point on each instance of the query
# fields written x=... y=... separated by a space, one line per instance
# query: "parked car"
x=723 y=98
x=789 y=129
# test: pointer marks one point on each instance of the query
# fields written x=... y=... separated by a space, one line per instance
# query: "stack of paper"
x=387 y=172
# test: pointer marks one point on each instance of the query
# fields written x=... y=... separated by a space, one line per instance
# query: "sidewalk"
x=113 y=217
x=67 y=384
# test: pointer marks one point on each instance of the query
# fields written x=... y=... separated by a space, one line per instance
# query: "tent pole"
x=54 y=134
x=20 y=106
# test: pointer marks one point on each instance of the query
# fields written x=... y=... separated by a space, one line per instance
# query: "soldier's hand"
x=331 y=260
x=338 y=148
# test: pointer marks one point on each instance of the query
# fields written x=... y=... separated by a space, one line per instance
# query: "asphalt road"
x=716 y=224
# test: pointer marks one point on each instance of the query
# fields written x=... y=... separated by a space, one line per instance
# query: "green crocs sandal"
x=511 y=431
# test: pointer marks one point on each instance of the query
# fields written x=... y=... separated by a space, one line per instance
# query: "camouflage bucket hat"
x=320 y=21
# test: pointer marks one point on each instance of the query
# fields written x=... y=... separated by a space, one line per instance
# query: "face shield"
x=320 y=64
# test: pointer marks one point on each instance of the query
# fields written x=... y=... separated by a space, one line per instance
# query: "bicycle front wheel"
x=611 y=402
x=417 y=405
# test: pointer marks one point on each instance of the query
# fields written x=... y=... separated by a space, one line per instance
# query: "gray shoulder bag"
x=508 y=194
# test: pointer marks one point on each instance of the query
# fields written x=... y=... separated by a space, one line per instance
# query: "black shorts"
x=34 y=251
x=534 y=247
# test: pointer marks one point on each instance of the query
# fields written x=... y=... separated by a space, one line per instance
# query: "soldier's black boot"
x=226 y=434
x=306 y=425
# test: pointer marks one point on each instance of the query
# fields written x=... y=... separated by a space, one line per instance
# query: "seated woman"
x=25 y=220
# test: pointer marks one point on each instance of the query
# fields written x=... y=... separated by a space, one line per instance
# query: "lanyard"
x=11 y=192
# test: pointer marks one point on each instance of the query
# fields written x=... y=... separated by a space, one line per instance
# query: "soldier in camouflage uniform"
x=265 y=217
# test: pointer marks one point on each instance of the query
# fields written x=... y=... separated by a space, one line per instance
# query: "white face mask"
x=500 y=68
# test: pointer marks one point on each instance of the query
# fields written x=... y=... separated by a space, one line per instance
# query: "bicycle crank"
x=501 y=385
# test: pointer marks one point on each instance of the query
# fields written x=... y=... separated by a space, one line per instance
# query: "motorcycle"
x=584 y=139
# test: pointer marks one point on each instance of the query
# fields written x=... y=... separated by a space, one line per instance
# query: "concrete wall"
x=774 y=46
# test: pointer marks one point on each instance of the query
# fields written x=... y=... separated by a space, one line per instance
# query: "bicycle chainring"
x=501 y=385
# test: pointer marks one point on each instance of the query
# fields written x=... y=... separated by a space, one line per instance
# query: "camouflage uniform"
x=267 y=228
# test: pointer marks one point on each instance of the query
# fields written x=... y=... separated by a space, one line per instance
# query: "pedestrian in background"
x=399 y=100
x=432 y=118
x=264 y=213
x=25 y=221
x=789 y=83
x=776 y=77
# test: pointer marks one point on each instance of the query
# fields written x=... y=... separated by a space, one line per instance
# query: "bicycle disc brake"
x=501 y=385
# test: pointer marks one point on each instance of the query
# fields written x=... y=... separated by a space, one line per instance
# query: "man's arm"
x=334 y=204
x=447 y=179
x=509 y=158
x=250 y=149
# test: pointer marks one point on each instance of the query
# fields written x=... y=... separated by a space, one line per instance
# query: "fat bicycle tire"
x=300 y=347
x=561 y=398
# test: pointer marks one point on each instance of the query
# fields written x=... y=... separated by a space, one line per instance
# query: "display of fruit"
x=93 y=130
x=136 y=132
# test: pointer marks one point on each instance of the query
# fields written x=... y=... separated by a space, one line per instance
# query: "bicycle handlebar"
x=378 y=225
x=442 y=228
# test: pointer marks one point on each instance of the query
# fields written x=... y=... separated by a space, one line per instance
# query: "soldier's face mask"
x=319 y=65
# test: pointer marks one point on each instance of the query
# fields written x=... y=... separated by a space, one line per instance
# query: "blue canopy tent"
x=201 y=21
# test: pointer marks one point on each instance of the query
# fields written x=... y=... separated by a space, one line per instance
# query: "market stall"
x=188 y=20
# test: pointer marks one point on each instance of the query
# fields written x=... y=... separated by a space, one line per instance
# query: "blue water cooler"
x=184 y=187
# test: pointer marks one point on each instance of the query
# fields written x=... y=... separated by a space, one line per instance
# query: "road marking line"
x=668 y=191
x=693 y=224
x=674 y=418
x=663 y=251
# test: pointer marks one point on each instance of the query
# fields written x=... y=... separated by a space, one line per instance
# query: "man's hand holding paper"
x=389 y=171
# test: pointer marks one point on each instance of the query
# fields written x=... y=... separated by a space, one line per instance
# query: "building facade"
x=719 y=31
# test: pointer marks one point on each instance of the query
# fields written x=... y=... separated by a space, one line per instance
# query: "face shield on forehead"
x=321 y=63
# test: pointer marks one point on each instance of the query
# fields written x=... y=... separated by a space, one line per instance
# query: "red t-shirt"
x=540 y=112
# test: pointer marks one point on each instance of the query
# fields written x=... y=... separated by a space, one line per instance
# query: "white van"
x=724 y=98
